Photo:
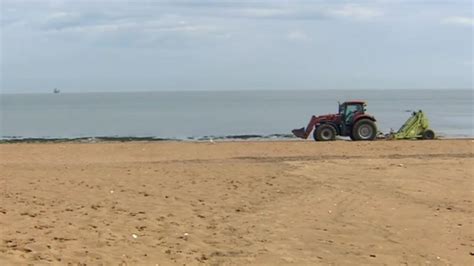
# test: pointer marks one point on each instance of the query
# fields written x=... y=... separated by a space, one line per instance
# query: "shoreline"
x=233 y=138
x=147 y=138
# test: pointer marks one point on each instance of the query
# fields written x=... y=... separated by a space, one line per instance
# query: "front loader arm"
x=304 y=133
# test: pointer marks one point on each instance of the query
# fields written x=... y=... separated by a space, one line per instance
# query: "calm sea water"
x=184 y=115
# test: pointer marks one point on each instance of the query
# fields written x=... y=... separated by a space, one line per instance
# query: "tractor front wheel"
x=324 y=132
x=364 y=130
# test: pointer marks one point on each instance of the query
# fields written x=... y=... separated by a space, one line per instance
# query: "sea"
x=204 y=115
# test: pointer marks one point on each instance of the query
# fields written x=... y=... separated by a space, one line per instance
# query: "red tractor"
x=351 y=121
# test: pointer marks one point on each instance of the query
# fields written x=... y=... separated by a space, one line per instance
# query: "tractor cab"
x=347 y=110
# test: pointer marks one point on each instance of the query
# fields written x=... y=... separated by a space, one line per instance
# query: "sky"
x=145 y=45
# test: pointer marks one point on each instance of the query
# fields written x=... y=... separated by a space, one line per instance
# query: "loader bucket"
x=299 y=132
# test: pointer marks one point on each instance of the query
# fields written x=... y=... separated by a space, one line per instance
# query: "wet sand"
x=287 y=202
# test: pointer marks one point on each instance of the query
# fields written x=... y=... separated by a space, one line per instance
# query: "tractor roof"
x=355 y=102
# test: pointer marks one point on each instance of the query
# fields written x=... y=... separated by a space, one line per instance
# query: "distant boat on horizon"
x=56 y=91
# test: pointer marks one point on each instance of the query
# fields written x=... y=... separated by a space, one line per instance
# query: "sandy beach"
x=236 y=203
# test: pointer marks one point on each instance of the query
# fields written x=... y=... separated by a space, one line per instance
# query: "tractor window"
x=352 y=108
x=350 y=111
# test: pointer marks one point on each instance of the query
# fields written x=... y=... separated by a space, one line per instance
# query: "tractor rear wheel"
x=364 y=129
x=428 y=134
x=324 y=132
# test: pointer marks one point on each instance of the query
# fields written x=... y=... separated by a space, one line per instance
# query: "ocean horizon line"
x=235 y=90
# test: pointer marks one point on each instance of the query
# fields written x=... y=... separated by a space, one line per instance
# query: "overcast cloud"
x=231 y=45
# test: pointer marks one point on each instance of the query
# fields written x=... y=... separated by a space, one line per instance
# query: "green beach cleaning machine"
x=416 y=127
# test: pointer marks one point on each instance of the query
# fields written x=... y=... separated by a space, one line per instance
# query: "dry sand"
x=399 y=202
